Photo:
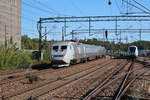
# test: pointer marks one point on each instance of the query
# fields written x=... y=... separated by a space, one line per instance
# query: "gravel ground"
x=14 y=73
x=140 y=88
x=81 y=87
x=24 y=84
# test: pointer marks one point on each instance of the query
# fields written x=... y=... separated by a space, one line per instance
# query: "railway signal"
x=106 y=34
x=109 y=2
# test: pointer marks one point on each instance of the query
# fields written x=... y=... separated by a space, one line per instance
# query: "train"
x=66 y=53
x=133 y=51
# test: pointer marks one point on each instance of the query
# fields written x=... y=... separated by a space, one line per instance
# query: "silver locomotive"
x=66 y=53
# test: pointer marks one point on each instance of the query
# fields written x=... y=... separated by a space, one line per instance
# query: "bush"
x=46 y=55
x=11 y=58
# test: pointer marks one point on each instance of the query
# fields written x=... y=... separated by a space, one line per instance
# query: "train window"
x=55 y=48
x=132 y=49
x=63 y=47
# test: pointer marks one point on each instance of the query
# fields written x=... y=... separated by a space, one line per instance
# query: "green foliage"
x=28 y=43
x=46 y=52
x=10 y=58
x=46 y=55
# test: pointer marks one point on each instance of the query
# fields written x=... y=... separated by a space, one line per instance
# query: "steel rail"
x=96 y=90
x=124 y=81
x=129 y=84
x=21 y=77
x=73 y=80
x=32 y=88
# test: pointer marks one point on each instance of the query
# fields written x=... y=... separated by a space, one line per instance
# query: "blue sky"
x=32 y=10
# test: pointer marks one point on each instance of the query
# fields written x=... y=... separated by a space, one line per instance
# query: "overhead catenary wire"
x=142 y=6
x=53 y=10
x=136 y=7
x=76 y=7
x=36 y=7
x=13 y=5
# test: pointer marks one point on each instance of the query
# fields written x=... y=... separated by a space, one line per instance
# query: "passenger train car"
x=68 y=52
x=133 y=51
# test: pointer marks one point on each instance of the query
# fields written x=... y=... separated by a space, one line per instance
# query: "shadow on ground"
x=42 y=66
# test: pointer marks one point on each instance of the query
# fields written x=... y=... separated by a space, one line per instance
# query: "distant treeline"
x=28 y=43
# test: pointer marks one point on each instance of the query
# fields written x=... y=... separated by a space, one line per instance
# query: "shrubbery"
x=11 y=58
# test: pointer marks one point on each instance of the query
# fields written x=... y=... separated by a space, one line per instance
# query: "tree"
x=26 y=42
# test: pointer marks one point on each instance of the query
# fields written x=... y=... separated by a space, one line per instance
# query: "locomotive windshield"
x=63 y=47
x=55 y=48
x=132 y=49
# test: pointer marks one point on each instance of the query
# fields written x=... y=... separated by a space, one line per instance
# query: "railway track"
x=86 y=82
x=17 y=72
x=122 y=85
x=11 y=74
x=103 y=84
x=44 y=88
x=125 y=84
x=18 y=85
x=12 y=78
x=51 y=86
x=19 y=77
x=136 y=76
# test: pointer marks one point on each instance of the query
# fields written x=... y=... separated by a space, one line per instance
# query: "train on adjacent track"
x=133 y=51
x=65 y=53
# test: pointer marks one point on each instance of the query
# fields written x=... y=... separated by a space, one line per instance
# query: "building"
x=10 y=22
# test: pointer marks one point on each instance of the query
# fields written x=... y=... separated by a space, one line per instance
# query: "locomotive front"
x=133 y=51
x=59 y=55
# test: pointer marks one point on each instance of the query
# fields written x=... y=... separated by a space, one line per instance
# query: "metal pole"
x=116 y=26
x=72 y=34
x=45 y=37
x=40 y=36
x=45 y=33
x=62 y=33
x=120 y=43
x=103 y=38
x=5 y=36
x=89 y=26
x=140 y=35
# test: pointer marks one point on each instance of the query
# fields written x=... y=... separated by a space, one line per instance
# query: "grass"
x=11 y=58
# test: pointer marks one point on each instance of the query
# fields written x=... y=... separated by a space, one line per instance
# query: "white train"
x=66 y=53
x=133 y=51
